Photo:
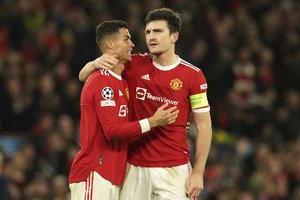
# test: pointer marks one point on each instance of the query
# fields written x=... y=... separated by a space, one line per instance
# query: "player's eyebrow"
x=154 y=30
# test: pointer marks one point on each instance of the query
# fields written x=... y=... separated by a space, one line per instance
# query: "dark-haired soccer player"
x=98 y=169
x=159 y=162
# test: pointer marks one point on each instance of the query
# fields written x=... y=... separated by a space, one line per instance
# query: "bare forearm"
x=86 y=71
x=195 y=184
x=203 y=143
x=106 y=61
x=203 y=140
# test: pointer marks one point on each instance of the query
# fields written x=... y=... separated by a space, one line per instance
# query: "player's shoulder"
x=188 y=66
x=141 y=56
x=98 y=76
x=100 y=73
x=98 y=80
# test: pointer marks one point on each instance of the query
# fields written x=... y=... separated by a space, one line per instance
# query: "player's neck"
x=165 y=59
x=118 y=68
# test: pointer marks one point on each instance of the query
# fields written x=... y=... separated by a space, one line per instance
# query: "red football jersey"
x=104 y=128
x=150 y=85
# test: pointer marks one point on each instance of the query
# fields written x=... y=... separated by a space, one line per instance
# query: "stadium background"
x=248 y=50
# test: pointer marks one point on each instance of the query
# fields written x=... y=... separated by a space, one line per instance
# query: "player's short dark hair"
x=108 y=28
x=172 y=18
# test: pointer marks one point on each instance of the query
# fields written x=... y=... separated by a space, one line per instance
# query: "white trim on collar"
x=114 y=74
x=167 y=68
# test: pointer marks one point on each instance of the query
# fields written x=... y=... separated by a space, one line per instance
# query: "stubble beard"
x=156 y=53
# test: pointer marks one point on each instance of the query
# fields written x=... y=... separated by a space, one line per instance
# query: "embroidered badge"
x=127 y=93
x=176 y=84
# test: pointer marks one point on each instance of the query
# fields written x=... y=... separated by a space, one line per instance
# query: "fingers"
x=105 y=64
x=172 y=108
x=170 y=114
x=173 y=113
x=165 y=117
x=172 y=121
x=163 y=106
x=169 y=110
x=110 y=58
x=192 y=192
x=172 y=117
x=106 y=61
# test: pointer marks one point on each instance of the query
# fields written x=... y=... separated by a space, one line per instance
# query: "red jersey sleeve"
x=111 y=108
x=198 y=92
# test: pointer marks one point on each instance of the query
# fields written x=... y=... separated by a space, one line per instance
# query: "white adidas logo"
x=120 y=93
x=146 y=77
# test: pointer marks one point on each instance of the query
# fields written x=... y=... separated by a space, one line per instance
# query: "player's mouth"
x=153 y=43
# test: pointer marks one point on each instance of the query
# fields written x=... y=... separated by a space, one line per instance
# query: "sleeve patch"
x=105 y=103
x=203 y=86
x=107 y=93
x=198 y=100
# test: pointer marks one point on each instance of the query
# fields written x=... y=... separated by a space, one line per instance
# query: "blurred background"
x=249 y=51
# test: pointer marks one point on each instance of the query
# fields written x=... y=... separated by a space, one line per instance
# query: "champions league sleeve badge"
x=107 y=94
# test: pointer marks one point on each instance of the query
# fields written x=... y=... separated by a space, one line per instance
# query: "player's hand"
x=194 y=184
x=163 y=116
x=188 y=127
x=106 y=61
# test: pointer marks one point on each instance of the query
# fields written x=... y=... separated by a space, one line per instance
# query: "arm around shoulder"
x=86 y=71
x=106 y=61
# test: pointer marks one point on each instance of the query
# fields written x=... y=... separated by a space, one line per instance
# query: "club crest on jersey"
x=107 y=93
x=176 y=84
x=127 y=93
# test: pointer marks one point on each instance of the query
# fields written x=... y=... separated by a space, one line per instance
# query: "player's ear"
x=109 y=44
x=174 y=36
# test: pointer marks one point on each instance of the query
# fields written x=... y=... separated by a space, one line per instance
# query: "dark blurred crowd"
x=249 y=51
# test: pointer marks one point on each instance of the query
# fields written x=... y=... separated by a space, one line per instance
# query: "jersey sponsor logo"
x=146 y=77
x=203 y=86
x=176 y=84
x=123 y=111
x=198 y=100
x=105 y=103
x=107 y=93
x=142 y=94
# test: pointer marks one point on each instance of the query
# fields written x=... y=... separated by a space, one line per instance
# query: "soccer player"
x=99 y=167
x=159 y=162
